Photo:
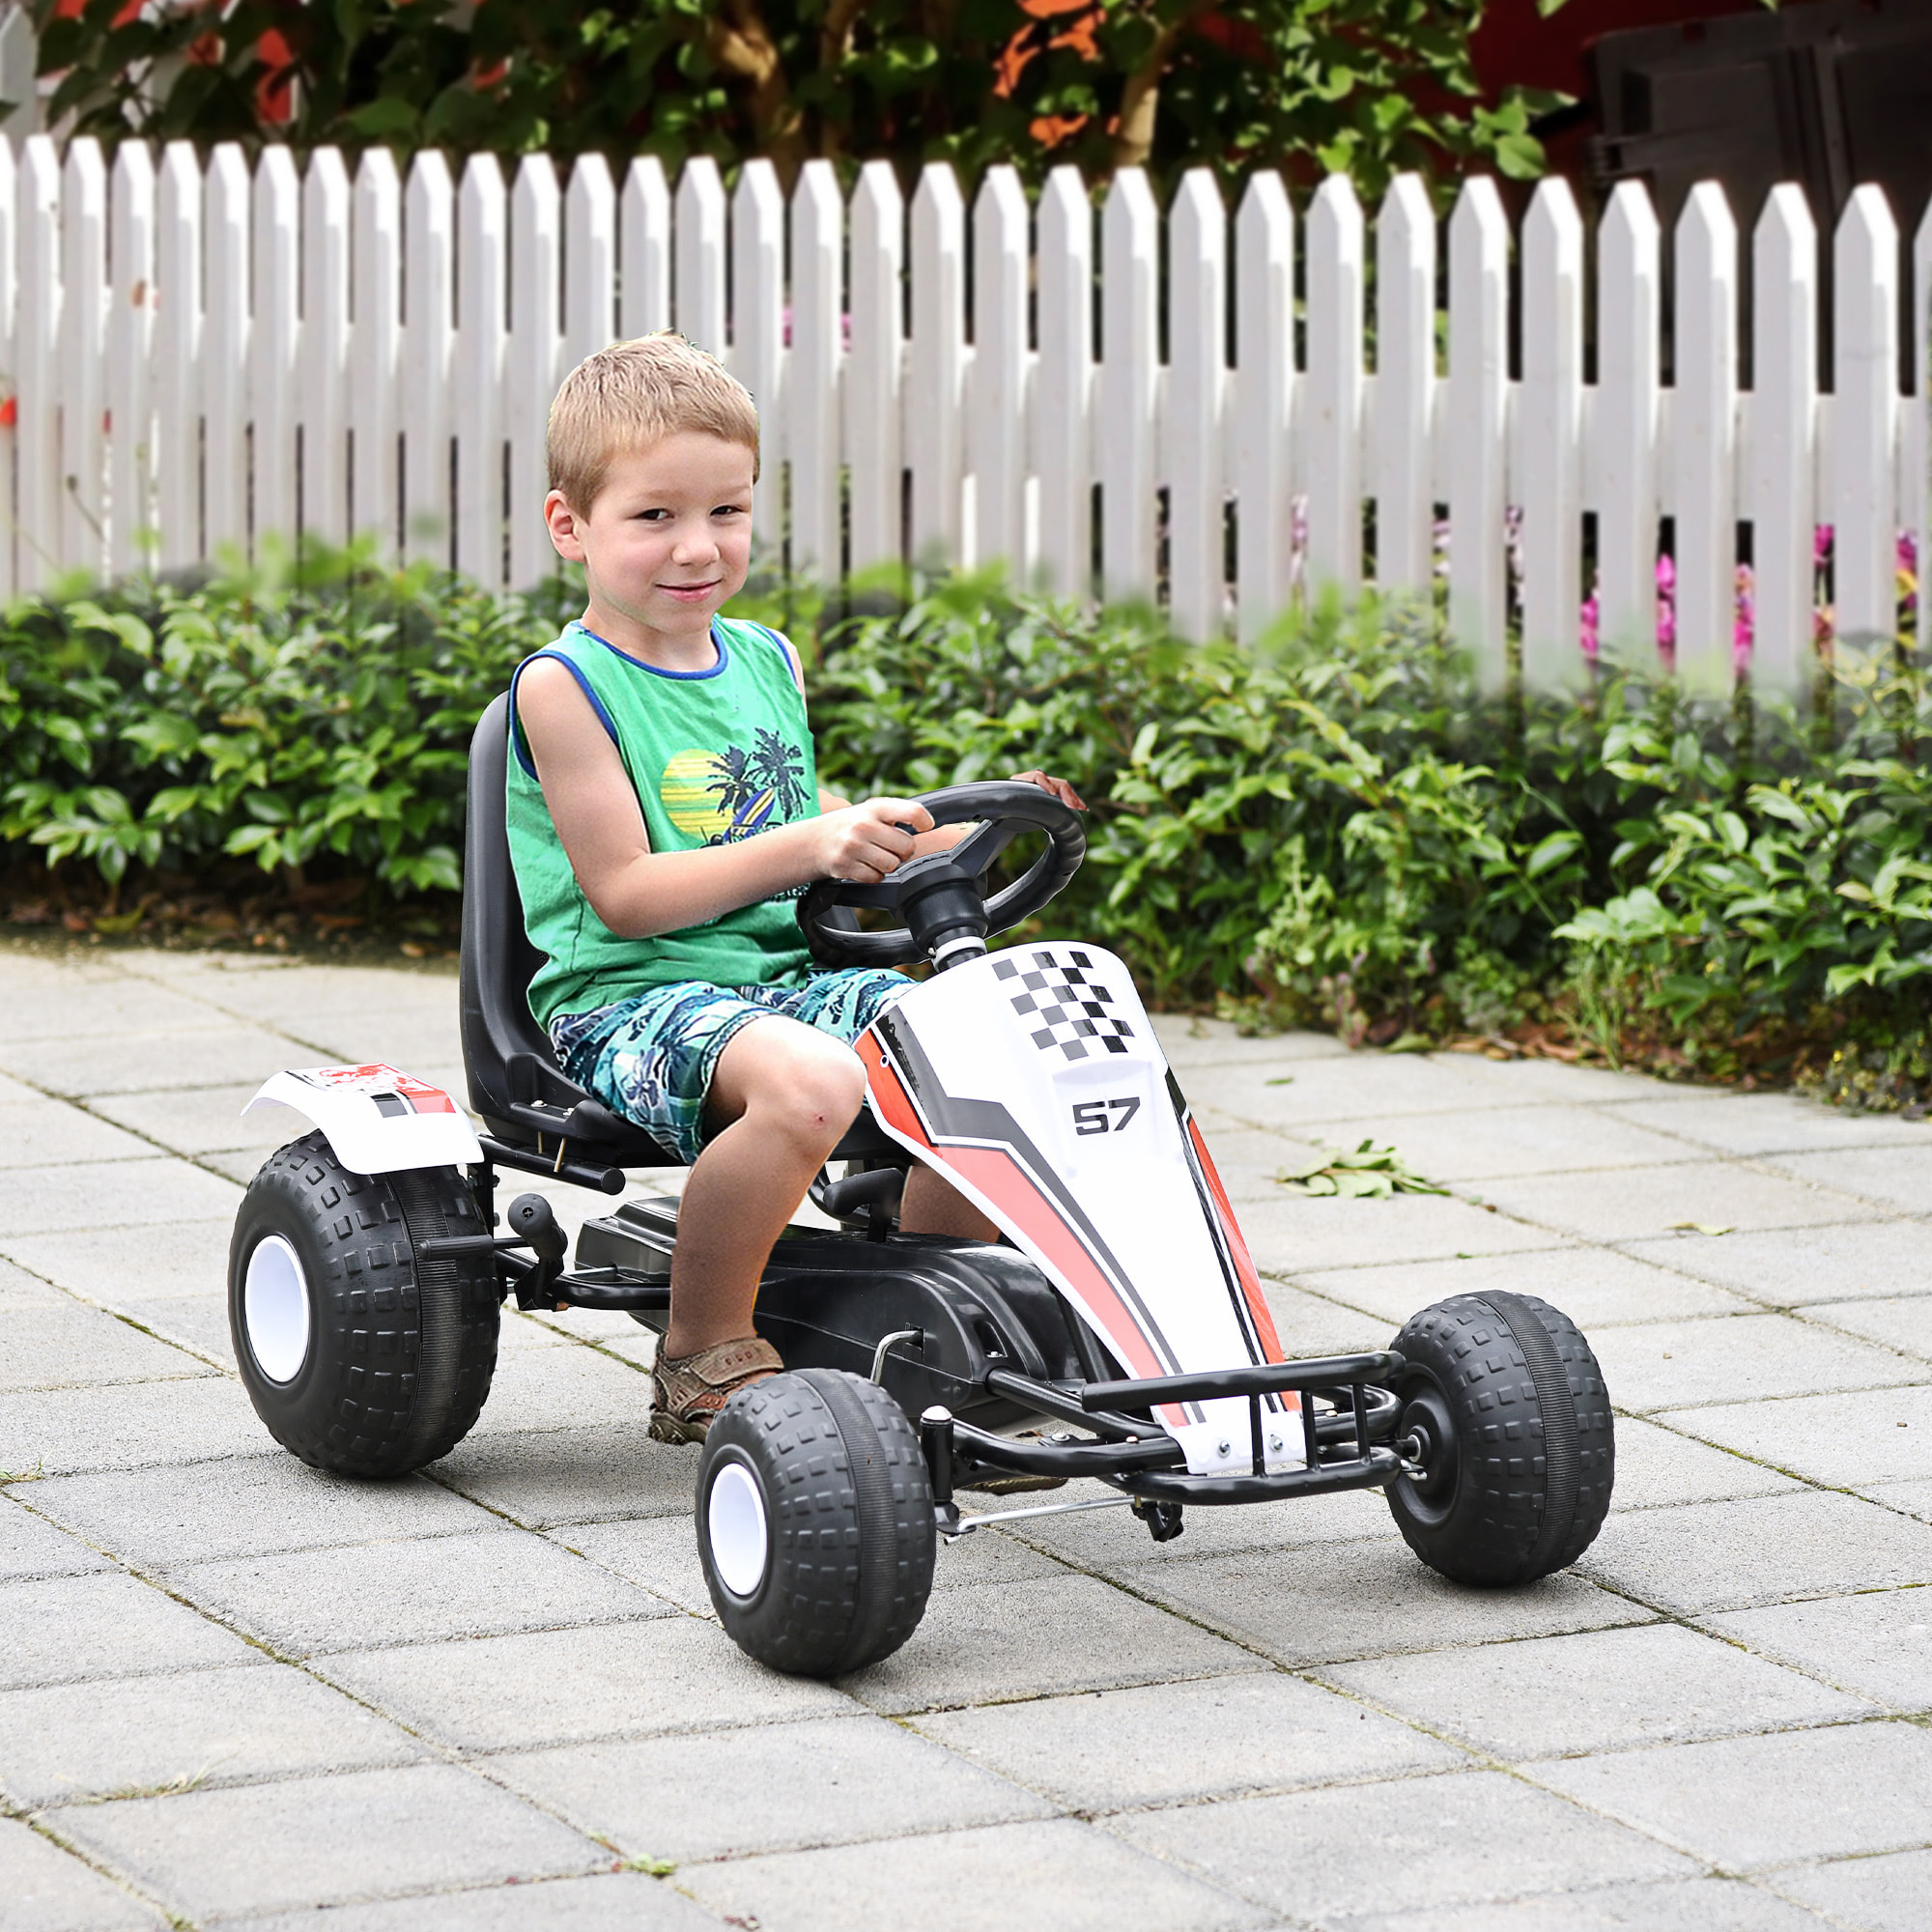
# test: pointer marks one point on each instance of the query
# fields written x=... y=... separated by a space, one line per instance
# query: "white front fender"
x=378 y=1119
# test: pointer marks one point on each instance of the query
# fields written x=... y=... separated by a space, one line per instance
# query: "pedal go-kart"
x=1118 y=1331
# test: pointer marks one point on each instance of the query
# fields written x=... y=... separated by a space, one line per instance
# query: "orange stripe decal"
x=1244 y=1263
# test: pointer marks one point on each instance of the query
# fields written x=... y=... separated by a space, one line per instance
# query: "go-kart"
x=1118 y=1330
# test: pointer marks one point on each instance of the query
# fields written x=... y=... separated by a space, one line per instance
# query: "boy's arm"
x=637 y=892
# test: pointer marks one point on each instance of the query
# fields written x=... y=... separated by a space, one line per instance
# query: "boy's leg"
x=933 y=1206
x=784 y=1094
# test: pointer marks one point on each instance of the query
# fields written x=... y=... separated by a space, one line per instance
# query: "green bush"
x=1327 y=827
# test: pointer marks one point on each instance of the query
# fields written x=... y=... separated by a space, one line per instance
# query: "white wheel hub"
x=739 y=1534
x=274 y=1309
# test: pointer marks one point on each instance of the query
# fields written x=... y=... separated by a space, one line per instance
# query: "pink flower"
x=1666 y=604
x=1821 y=546
x=1744 y=621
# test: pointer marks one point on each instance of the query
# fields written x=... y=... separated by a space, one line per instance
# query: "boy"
x=664 y=817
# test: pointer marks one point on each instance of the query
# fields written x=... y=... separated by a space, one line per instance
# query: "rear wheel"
x=359 y=1357
x=1504 y=1410
x=814 y=1522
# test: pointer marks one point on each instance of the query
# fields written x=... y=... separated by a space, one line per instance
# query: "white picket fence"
x=199 y=356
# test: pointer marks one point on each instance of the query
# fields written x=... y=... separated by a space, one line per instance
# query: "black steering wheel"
x=941 y=899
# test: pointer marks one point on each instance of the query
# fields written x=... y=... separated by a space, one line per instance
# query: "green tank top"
x=713 y=756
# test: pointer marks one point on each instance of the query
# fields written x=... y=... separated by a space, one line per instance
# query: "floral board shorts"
x=650 y=1058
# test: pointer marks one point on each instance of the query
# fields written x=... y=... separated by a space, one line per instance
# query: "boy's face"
x=667 y=541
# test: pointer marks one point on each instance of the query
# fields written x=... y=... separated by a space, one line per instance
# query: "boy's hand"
x=1059 y=787
x=861 y=843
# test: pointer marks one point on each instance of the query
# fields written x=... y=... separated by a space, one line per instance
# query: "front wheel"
x=814 y=1522
x=1505 y=1413
x=361 y=1356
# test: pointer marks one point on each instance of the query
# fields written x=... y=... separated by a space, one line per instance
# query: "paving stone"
x=130 y=1062
x=574 y=1475
x=1560 y=1696
x=63 y=1629
x=1910 y=1498
x=564 y=1388
x=1903 y=1322
x=202 y=1120
x=31 y=1547
x=1669 y=1905
x=1751 y=1124
x=75 y=1346
x=1062 y=1633
x=1366 y=1599
x=1669 y=1364
x=1374 y=1090
x=475 y=1583
x=104 y=1264
x=47 y=1889
x=1732 y=1555
x=1559 y=1083
x=46 y=1133
x=1898 y=1177
x=1798 y=1266
x=1597 y=1288
x=1885 y=1435
x=196 y=1323
x=608 y=1902
x=1166 y=1743
x=63 y=1011
x=151 y=1734
x=219 y=1853
x=573 y=1686
x=660 y=1553
x=239 y=1166
x=120 y=1193
x=1055 y=1876
x=1511 y=1141
x=1889 y=1893
x=1657 y=1467
x=1877 y=1644
x=1192 y=1040
x=68 y=1431
x=769 y=1788
x=1750 y=1802
x=1646 y=1201
x=1446 y=1841
x=1293 y=1236
x=1251 y=1159
x=249 y=1506
x=20 y=1290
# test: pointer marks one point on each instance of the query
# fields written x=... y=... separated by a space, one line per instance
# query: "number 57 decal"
x=1090 y=1116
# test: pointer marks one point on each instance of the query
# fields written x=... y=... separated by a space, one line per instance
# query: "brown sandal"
x=688 y=1391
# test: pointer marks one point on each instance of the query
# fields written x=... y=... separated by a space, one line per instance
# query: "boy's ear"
x=562 y=522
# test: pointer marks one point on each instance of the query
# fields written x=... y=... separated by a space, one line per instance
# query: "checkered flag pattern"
x=1071 y=1009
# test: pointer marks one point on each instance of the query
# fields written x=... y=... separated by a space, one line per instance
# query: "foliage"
x=1330 y=826
x=1364 y=86
x=1369 y=1173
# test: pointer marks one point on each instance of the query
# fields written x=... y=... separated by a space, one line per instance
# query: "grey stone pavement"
x=235 y=1692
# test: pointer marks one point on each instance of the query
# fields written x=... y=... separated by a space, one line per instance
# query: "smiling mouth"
x=686 y=589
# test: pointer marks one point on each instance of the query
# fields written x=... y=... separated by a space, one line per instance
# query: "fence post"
x=83 y=340
x=429 y=275
x=39 y=379
x=1198 y=334
x=178 y=244
x=272 y=346
x=589 y=259
x=1129 y=385
x=1263 y=403
x=224 y=351
x=1703 y=455
x=477 y=424
x=698 y=246
x=935 y=377
x=323 y=383
x=1333 y=392
x=1629 y=407
x=996 y=441
x=1780 y=498
x=645 y=306
x=375 y=348
x=130 y=313
x=1552 y=410
x=1917 y=509
x=530 y=377
x=1478 y=420
x=19 y=55
x=1865 y=379
x=811 y=401
x=1404 y=488
x=875 y=367
x=9 y=365
x=1063 y=383
x=758 y=336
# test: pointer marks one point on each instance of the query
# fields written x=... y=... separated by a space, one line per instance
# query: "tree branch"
x=1140 y=99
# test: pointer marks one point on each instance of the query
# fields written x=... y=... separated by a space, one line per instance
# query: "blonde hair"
x=632 y=395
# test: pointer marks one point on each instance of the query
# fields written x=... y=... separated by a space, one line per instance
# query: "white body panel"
x=378 y=1119
x=1033 y=1078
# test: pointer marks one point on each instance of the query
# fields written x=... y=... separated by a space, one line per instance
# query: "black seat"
x=515 y=1083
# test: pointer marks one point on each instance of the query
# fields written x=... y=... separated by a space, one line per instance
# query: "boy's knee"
x=816 y=1094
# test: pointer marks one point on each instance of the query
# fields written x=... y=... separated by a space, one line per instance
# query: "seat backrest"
x=515 y=1082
